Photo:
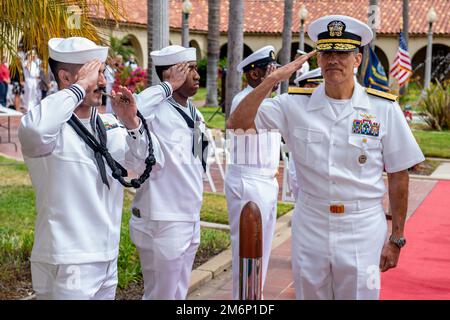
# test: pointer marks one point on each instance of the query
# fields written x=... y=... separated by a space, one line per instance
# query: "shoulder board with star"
x=381 y=94
x=302 y=91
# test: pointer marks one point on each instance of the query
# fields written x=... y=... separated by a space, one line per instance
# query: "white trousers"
x=263 y=190
x=88 y=281
x=337 y=256
x=167 y=251
x=32 y=94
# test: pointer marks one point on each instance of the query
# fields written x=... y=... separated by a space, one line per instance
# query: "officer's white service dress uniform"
x=78 y=220
x=308 y=80
x=165 y=224
x=251 y=173
x=339 y=226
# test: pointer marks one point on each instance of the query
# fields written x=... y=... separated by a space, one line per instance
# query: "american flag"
x=401 y=68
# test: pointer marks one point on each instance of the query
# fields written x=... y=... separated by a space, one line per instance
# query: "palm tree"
x=35 y=22
x=213 y=51
x=285 y=55
x=235 y=50
x=157 y=32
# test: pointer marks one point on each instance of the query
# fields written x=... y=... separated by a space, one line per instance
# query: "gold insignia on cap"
x=335 y=28
x=272 y=55
x=344 y=46
x=324 y=46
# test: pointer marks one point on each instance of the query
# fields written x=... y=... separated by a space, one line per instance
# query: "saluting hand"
x=269 y=70
x=284 y=73
x=87 y=76
x=176 y=75
x=124 y=106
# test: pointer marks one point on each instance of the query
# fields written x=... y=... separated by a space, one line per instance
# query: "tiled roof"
x=266 y=16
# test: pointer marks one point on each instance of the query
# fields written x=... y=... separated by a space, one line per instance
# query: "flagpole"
x=372 y=16
x=405 y=26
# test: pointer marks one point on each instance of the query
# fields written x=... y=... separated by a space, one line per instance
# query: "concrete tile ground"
x=279 y=283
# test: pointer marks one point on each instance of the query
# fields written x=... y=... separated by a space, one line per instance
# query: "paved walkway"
x=279 y=283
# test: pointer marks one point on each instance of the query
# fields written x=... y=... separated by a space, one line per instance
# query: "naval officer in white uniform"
x=165 y=222
x=343 y=136
x=251 y=175
x=78 y=202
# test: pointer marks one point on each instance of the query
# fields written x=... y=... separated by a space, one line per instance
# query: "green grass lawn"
x=215 y=208
x=218 y=121
x=17 y=217
x=433 y=143
x=201 y=94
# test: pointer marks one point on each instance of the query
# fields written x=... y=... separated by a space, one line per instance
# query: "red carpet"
x=423 y=272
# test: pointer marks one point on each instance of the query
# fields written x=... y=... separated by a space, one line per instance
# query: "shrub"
x=202 y=66
x=435 y=104
x=134 y=80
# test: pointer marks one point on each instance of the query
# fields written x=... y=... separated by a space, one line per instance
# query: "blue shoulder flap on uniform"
x=381 y=94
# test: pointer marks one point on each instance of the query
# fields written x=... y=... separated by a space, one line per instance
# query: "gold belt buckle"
x=337 y=208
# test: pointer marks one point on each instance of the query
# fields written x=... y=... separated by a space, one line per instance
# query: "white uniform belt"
x=243 y=170
x=337 y=206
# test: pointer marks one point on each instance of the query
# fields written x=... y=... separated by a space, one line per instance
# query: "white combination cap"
x=174 y=54
x=76 y=50
x=314 y=75
x=259 y=58
x=339 y=33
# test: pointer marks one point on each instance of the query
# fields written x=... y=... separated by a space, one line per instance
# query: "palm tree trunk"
x=157 y=31
x=235 y=50
x=213 y=52
x=285 y=55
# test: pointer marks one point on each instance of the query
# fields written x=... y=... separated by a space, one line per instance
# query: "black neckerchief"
x=199 y=141
x=98 y=146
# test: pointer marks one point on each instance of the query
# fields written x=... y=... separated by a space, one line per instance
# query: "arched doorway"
x=224 y=51
x=134 y=43
x=439 y=64
x=194 y=44
x=382 y=57
x=295 y=46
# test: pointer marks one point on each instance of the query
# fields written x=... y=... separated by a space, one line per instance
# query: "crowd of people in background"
x=29 y=80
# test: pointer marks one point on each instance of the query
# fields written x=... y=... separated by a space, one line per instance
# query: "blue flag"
x=374 y=75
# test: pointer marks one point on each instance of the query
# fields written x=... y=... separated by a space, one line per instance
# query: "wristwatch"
x=399 y=242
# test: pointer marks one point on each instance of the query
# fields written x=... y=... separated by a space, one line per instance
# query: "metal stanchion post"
x=250 y=253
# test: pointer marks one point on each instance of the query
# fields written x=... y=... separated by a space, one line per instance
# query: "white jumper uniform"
x=251 y=177
x=78 y=221
x=339 y=159
x=165 y=225
x=32 y=93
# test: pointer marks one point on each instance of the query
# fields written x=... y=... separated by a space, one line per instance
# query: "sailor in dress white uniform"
x=79 y=211
x=165 y=225
x=254 y=165
x=342 y=136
